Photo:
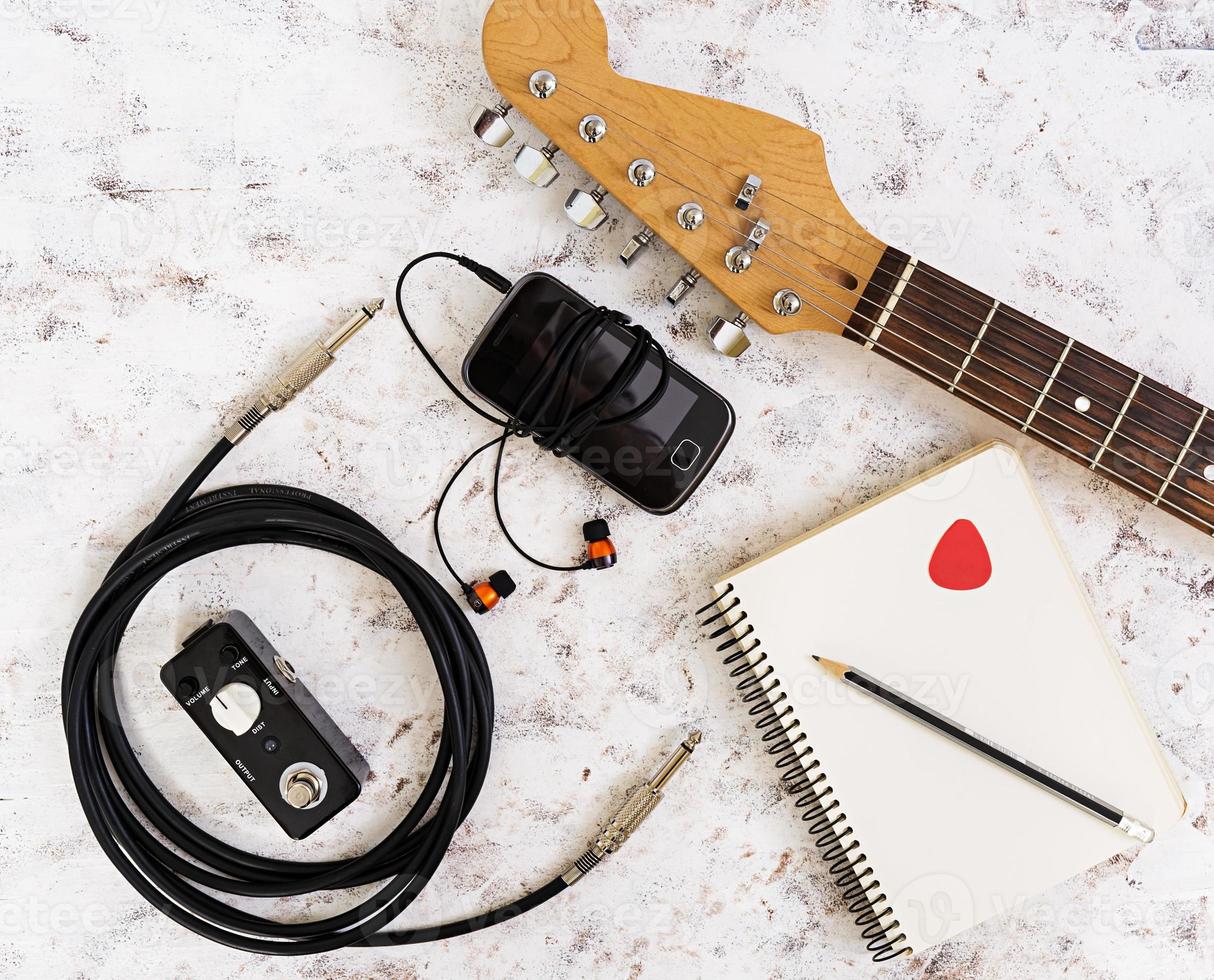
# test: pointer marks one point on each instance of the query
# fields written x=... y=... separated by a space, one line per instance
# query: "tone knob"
x=585 y=208
x=489 y=124
x=729 y=336
x=690 y=216
x=236 y=707
x=636 y=245
x=542 y=83
x=737 y=259
x=535 y=165
x=786 y=302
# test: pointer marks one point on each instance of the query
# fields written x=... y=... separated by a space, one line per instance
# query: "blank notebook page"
x=953 y=838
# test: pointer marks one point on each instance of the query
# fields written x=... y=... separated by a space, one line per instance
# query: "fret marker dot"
x=1208 y=473
x=1083 y=403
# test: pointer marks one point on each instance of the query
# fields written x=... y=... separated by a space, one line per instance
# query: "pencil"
x=983 y=746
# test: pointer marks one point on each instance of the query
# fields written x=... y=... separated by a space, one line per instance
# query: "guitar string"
x=1168 y=461
x=975 y=357
x=968 y=291
x=1036 y=411
x=992 y=329
x=1039 y=329
x=1157 y=500
x=1063 y=447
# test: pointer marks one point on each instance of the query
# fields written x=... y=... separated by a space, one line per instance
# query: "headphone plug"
x=486 y=275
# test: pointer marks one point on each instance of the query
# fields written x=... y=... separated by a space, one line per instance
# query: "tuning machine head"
x=489 y=124
x=585 y=208
x=535 y=165
x=682 y=286
x=729 y=336
x=636 y=245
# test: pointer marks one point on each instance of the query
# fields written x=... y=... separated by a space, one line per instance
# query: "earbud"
x=483 y=596
x=600 y=552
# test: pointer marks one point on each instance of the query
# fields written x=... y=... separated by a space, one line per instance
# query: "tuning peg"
x=585 y=208
x=729 y=336
x=684 y=285
x=535 y=165
x=637 y=244
x=490 y=125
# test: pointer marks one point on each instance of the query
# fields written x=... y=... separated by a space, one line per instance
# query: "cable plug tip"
x=375 y=305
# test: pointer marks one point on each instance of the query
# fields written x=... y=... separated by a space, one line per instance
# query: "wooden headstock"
x=795 y=234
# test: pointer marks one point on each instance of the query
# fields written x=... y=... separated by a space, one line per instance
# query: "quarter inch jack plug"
x=635 y=809
x=303 y=371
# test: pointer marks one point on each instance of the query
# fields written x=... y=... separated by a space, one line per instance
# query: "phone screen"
x=637 y=457
x=627 y=450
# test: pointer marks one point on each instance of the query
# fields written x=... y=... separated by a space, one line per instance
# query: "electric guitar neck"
x=746 y=199
x=1137 y=432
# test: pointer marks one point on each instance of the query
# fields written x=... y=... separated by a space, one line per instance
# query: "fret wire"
x=1049 y=384
x=977 y=340
x=1183 y=452
x=1166 y=460
x=1038 y=433
x=1039 y=329
x=1117 y=424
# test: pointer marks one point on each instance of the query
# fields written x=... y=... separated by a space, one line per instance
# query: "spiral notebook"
x=954 y=589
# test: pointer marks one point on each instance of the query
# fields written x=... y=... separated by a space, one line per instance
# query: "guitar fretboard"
x=1138 y=432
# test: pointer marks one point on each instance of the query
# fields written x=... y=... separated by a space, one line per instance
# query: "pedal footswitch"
x=259 y=715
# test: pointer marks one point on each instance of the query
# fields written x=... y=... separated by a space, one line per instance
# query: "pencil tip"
x=816 y=657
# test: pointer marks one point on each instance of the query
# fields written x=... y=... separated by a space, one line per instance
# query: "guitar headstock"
x=742 y=195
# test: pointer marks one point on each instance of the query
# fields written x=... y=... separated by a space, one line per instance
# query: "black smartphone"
x=655 y=460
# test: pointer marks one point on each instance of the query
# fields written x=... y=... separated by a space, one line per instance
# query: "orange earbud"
x=483 y=596
x=600 y=552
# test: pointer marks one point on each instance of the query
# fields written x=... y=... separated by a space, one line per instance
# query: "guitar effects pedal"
x=259 y=715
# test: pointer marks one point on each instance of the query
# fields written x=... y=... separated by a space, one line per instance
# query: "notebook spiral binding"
x=803 y=778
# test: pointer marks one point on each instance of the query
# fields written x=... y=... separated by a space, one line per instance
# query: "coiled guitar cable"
x=176 y=866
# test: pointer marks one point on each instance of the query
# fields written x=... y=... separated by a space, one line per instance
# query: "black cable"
x=552 y=391
x=190 y=527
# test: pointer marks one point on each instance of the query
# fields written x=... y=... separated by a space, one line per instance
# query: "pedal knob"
x=489 y=124
x=729 y=336
x=636 y=245
x=535 y=165
x=585 y=208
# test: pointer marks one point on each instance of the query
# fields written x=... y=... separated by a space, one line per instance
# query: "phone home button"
x=685 y=456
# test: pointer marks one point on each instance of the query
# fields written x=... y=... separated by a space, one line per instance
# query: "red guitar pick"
x=961 y=561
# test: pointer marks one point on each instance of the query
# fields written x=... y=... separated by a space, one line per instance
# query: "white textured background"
x=191 y=190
